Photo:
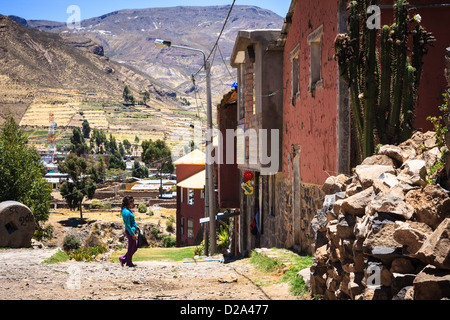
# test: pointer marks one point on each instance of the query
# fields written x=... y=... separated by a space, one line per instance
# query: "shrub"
x=96 y=204
x=169 y=226
x=200 y=249
x=71 y=242
x=142 y=208
x=169 y=242
x=86 y=254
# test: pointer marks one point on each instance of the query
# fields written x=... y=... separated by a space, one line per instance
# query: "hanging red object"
x=248 y=175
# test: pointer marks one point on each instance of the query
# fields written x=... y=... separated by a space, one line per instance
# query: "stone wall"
x=383 y=233
x=288 y=227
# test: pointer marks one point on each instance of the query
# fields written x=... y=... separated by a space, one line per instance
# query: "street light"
x=209 y=177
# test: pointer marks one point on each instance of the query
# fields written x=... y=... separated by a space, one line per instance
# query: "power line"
x=220 y=35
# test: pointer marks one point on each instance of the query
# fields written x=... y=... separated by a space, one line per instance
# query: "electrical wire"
x=218 y=38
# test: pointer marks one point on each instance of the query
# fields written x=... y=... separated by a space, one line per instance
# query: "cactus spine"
x=383 y=82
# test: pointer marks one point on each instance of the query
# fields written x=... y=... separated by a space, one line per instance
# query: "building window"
x=190 y=228
x=191 y=196
x=202 y=195
x=182 y=195
x=315 y=60
x=182 y=226
x=295 y=81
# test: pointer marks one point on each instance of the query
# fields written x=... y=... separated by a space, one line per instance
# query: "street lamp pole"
x=209 y=177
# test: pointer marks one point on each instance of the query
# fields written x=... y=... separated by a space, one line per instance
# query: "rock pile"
x=384 y=233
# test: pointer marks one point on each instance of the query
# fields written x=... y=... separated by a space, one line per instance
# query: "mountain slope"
x=43 y=73
x=128 y=36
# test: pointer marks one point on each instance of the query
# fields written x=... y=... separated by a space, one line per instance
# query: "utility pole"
x=210 y=204
x=210 y=164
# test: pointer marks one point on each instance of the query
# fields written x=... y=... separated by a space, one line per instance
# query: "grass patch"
x=158 y=254
x=60 y=256
x=281 y=260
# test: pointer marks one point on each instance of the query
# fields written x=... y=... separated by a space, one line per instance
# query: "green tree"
x=145 y=96
x=98 y=141
x=127 y=96
x=157 y=154
x=78 y=143
x=115 y=161
x=21 y=173
x=82 y=185
x=139 y=171
x=127 y=146
x=86 y=129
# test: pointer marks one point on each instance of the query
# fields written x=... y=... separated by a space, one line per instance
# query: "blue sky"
x=56 y=10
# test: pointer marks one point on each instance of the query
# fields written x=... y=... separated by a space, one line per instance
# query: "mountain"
x=78 y=74
x=128 y=36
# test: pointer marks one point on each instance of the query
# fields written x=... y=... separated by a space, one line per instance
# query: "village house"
x=190 y=198
x=259 y=63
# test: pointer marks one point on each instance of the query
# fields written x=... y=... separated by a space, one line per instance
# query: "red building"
x=190 y=198
x=310 y=104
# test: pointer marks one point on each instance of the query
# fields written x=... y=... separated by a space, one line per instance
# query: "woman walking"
x=131 y=231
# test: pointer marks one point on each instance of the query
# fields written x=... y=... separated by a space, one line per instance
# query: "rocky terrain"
x=383 y=233
x=25 y=276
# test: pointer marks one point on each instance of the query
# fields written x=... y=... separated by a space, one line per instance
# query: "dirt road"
x=24 y=275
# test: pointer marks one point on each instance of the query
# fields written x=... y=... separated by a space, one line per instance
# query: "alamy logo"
x=262 y=146
x=374 y=20
x=74 y=20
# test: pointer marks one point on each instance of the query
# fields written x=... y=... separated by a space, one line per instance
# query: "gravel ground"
x=25 y=275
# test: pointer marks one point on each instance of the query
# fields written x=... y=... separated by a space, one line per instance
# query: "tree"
x=99 y=141
x=145 y=96
x=139 y=171
x=127 y=146
x=127 y=96
x=157 y=154
x=21 y=173
x=78 y=143
x=82 y=184
x=116 y=162
x=86 y=129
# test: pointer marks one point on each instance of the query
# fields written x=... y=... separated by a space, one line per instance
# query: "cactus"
x=383 y=82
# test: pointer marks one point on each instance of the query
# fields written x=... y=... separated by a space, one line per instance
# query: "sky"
x=56 y=10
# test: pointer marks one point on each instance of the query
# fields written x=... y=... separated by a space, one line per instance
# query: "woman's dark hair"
x=126 y=201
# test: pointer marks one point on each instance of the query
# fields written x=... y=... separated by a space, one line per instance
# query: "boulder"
x=406 y=293
x=413 y=172
x=367 y=173
x=345 y=226
x=432 y=284
x=398 y=153
x=401 y=280
x=357 y=203
x=431 y=204
x=436 y=248
x=335 y=184
x=379 y=159
x=411 y=234
x=384 y=183
x=382 y=245
x=402 y=265
x=391 y=203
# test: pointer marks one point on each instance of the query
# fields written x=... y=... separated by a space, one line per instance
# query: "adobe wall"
x=312 y=121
